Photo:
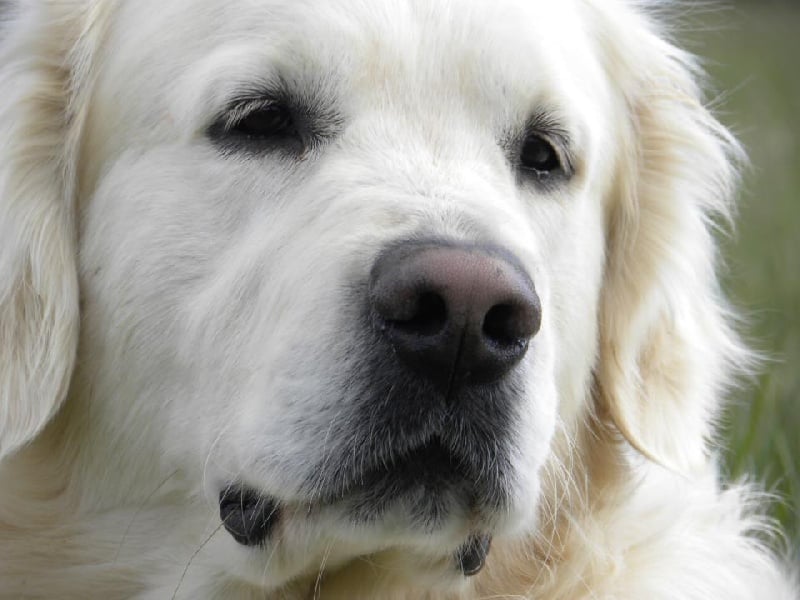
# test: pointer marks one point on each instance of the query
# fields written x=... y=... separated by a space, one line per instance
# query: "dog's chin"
x=423 y=517
x=288 y=543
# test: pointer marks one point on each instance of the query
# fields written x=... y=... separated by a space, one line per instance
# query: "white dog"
x=363 y=299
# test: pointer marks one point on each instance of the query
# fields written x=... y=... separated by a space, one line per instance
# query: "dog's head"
x=349 y=267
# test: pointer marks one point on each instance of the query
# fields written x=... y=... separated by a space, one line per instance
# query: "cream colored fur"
x=109 y=453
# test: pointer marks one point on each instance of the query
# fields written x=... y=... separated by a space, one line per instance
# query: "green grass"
x=754 y=53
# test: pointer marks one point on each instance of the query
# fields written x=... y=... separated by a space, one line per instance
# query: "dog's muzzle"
x=436 y=397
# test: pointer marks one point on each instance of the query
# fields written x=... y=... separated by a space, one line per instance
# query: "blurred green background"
x=752 y=52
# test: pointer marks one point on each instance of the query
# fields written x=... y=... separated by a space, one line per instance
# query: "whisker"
x=191 y=559
x=318 y=582
x=139 y=510
x=275 y=543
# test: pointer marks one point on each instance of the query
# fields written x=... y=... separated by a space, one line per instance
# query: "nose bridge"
x=427 y=121
x=454 y=177
x=419 y=147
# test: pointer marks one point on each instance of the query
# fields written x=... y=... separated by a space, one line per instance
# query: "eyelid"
x=233 y=71
x=241 y=108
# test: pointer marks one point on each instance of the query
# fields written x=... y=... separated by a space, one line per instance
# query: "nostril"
x=512 y=323
x=501 y=325
x=429 y=316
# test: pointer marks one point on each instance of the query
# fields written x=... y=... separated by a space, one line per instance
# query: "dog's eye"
x=257 y=125
x=268 y=121
x=539 y=156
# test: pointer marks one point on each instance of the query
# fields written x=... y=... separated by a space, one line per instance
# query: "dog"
x=387 y=299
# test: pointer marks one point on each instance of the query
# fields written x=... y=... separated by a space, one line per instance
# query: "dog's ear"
x=38 y=277
x=666 y=345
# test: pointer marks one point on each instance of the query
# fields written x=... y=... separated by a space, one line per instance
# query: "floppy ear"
x=38 y=278
x=666 y=347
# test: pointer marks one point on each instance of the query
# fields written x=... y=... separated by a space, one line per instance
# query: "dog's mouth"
x=431 y=468
x=448 y=473
x=250 y=518
x=431 y=482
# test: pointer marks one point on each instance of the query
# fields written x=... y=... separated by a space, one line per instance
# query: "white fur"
x=213 y=334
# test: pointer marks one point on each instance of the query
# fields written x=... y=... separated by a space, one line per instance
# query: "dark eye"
x=258 y=125
x=266 y=122
x=539 y=155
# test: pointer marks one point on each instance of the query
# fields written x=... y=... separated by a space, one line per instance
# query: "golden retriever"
x=364 y=299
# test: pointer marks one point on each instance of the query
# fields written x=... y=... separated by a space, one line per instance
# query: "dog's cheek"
x=151 y=238
x=304 y=349
x=533 y=432
x=573 y=255
x=559 y=366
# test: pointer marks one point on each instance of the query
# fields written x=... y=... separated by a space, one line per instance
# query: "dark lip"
x=247 y=515
x=471 y=557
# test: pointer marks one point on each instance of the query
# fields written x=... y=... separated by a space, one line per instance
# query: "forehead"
x=513 y=53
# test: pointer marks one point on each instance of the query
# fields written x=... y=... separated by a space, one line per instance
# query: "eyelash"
x=257 y=125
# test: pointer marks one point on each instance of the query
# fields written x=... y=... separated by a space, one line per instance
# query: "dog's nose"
x=455 y=313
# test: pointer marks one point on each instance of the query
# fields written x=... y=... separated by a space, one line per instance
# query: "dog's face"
x=349 y=266
x=261 y=172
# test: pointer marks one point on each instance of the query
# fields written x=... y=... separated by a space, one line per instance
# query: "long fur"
x=631 y=505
